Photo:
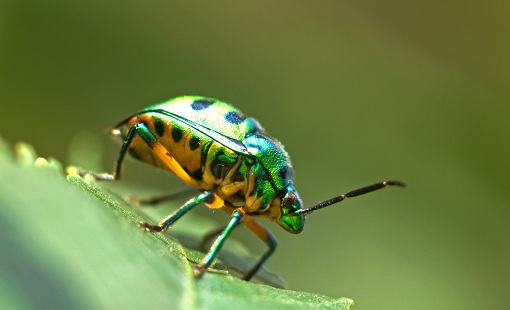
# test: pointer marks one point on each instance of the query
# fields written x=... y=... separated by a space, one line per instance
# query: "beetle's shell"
x=216 y=115
x=174 y=123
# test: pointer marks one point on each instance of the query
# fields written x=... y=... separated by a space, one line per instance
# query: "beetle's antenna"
x=354 y=193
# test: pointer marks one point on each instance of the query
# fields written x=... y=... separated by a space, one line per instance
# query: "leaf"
x=70 y=244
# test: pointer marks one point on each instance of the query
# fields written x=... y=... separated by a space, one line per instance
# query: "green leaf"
x=70 y=244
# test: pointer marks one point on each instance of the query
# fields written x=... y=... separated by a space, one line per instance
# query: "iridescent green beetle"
x=227 y=156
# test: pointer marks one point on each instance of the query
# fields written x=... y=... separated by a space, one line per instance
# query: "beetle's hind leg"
x=156 y=147
x=146 y=135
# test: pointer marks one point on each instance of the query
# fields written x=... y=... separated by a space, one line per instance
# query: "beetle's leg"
x=260 y=231
x=237 y=218
x=209 y=236
x=172 y=218
x=159 y=150
x=263 y=233
x=115 y=175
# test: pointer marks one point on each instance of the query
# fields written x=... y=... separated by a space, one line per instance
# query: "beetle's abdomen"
x=187 y=147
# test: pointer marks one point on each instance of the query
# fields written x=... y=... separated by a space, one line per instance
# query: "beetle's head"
x=291 y=219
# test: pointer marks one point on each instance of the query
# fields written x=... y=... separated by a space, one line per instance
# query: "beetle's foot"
x=132 y=200
x=150 y=228
x=199 y=270
x=96 y=175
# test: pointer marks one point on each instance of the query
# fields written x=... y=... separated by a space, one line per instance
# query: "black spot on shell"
x=234 y=117
x=283 y=172
x=201 y=104
x=159 y=126
x=194 y=143
x=176 y=134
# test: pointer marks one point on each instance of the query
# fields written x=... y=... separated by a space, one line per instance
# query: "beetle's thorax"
x=262 y=183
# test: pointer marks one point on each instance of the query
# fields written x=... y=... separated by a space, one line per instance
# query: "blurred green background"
x=357 y=91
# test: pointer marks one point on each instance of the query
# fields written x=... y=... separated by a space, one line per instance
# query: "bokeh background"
x=358 y=92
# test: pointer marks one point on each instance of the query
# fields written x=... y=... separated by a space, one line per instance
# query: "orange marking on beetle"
x=163 y=154
x=256 y=228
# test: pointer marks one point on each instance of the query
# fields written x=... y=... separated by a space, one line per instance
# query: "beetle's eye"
x=288 y=200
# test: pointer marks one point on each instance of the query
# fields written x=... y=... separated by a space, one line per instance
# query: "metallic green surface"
x=291 y=204
x=273 y=157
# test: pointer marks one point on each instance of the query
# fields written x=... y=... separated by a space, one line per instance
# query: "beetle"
x=229 y=158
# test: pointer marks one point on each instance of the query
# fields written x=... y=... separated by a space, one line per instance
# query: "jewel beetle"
x=229 y=158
